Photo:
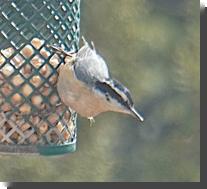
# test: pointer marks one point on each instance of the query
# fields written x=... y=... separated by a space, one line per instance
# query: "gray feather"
x=90 y=67
x=90 y=70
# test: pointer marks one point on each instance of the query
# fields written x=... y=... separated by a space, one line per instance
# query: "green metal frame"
x=55 y=21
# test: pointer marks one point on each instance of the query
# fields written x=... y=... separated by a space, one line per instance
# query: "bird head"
x=118 y=97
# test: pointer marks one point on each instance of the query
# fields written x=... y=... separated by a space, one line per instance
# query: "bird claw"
x=92 y=121
x=60 y=50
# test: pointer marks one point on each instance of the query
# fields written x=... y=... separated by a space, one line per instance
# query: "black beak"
x=135 y=114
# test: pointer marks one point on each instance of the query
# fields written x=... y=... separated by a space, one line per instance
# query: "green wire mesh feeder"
x=32 y=117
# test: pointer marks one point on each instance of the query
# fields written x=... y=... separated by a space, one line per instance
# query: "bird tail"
x=87 y=49
x=85 y=43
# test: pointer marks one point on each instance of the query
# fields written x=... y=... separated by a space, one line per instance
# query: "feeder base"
x=49 y=150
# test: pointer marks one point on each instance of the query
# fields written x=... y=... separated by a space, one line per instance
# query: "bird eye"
x=107 y=96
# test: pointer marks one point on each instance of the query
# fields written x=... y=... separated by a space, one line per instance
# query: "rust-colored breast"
x=77 y=95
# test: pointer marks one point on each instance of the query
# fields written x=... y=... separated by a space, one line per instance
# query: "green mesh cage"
x=32 y=117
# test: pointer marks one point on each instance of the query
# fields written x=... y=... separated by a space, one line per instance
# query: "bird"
x=86 y=86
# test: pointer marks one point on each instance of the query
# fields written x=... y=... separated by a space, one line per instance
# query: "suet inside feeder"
x=32 y=117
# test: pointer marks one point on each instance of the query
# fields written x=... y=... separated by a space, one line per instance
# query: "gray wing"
x=91 y=69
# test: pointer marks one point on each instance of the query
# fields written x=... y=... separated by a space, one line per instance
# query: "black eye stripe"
x=110 y=92
x=107 y=90
x=119 y=86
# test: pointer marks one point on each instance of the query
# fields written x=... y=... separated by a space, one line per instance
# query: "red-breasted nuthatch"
x=85 y=85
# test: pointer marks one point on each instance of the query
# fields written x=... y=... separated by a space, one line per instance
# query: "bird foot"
x=92 y=121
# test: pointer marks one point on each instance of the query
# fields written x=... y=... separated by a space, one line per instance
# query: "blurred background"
x=152 y=47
